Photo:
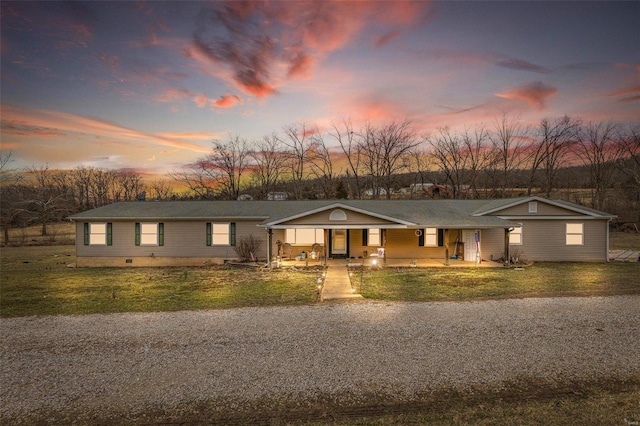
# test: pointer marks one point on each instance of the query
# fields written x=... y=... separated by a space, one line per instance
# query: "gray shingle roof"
x=436 y=213
x=419 y=213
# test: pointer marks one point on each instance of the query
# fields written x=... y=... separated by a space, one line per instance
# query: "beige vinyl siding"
x=181 y=239
x=545 y=240
x=492 y=243
x=403 y=244
x=544 y=209
x=353 y=218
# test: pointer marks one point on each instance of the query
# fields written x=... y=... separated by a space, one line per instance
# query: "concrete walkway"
x=337 y=284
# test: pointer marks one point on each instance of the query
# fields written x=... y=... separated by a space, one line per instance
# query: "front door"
x=338 y=242
x=471 y=249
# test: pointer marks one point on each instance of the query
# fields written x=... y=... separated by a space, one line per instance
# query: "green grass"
x=36 y=281
x=539 y=280
x=46 y=286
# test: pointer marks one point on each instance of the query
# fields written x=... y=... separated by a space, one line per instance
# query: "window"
x=371 y=237
x=515 y=236
x=533 y=207
x=221 y=234
x=431 y=237
x=97 y=234
x=149 y=234
x=575 y=234
x=304 y=237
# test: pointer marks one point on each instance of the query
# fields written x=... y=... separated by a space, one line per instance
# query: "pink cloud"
x=59 y=123
x=632 y=94
x=227 y=101
x=258 y=46
x=200 y=100
x=535 y=94
x=386 y=38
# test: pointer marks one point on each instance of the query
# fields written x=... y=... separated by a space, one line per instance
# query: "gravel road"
x=128 y=362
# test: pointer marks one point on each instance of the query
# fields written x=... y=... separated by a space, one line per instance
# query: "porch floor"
x=396 y=263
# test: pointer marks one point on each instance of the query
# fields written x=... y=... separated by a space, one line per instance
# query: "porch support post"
x=326 y=246
x=507 y=255
x=446 y=246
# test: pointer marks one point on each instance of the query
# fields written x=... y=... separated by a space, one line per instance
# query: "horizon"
x=148 y=85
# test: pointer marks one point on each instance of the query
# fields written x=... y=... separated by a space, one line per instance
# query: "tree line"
x=504 y=159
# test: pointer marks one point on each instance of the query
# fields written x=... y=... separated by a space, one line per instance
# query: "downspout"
x=607 y=252
x=269 y=232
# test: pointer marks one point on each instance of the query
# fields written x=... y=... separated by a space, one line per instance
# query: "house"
x=277 y=196
x=196 y=232
x=430 y=189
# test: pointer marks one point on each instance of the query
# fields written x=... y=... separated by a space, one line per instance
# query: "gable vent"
x=338 y=215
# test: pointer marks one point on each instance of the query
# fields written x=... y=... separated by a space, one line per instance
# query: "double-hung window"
x=574 y=235
x=97 y=234
x=431 y=237
x=149 y=234
x=304 y=237
x=515 y=236
x=372 y=237
x=221 y=234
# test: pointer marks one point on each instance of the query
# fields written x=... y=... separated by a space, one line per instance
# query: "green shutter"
x=109 y=234
x=421 y=238
x=232 y=234
x=137 y=233
x=86 y=233
x=209 y=232
x=161 y=234
x=365 y=237
x=440 y=237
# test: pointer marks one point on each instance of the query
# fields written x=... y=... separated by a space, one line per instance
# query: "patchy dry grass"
x=624 y=241
x=57 y=233
x=539 y=280
x=37 y=281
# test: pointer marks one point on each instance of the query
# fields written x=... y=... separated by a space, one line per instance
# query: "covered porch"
x=370 y=239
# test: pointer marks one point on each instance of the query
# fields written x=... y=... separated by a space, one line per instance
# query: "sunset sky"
x=148 y=85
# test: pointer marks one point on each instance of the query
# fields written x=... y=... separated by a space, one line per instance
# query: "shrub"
x=247 y=248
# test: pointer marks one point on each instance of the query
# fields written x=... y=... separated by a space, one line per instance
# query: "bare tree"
x=451 y=157
x=45 y=204
x=386 y=152
x=13 y=198
x=549 y=151
x=7 y=174
x=600 y=150
x=161 y=189
x=477 y=156
x=351 y=149
x=421 y=161
x=220 y=173
x=630 y=161
x=322 y=167
x=509 y=152
x=268 y=164
x=300 y=145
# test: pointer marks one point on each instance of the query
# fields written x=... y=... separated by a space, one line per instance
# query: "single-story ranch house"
x=162 y=233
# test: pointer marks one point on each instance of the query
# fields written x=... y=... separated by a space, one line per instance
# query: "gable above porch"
x=339 y=215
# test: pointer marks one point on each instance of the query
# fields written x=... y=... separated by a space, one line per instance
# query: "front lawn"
x=539 y=280
x=37 y=281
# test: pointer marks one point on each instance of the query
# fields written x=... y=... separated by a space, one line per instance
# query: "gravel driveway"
x=129 y=362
